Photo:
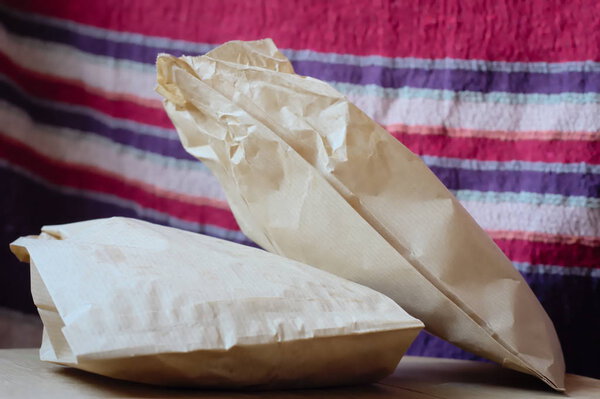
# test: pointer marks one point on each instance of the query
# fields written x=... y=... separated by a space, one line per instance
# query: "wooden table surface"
x=23 y=375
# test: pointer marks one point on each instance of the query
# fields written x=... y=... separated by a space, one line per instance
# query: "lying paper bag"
x=141 y=302
x=311 y=177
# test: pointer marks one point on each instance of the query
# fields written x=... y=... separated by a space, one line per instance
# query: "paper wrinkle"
x=118 y=288
x=387 y=185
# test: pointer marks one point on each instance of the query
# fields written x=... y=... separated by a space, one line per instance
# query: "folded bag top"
x=147 y=303
x=311 y=177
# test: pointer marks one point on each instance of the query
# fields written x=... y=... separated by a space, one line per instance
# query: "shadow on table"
x=108 y=387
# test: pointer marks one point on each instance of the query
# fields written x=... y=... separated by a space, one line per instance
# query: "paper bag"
x=141 y=302
x=311 y=177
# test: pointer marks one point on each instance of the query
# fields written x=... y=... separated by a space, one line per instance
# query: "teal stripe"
x=526 y=198
x=350 y=89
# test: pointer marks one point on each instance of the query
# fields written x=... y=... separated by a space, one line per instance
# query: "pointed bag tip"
x=166 y=86
x=19 y=249
x=261 y=53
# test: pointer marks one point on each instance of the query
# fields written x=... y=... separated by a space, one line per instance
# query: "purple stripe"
x=453 y=79
x=568 y=184
x=442 y=79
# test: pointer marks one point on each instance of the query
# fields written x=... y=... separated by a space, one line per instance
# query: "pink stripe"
x=543 y=237
x=543 y=253
x=494 y=134
x=487 y=149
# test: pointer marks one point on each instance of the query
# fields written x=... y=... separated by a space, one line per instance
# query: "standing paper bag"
x=310 y=176
x=147 y=303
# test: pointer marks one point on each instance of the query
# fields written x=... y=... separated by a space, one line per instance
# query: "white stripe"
x=466 y=96
x=117 y=77
x=526 y=198
x=190 y=178
x=548 y=219
x=481 y=116
x=556 y=167
x=310 y=55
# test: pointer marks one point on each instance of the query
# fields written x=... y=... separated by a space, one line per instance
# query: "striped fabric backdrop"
x=501 y=99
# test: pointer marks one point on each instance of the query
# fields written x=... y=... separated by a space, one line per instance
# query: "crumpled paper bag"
x=311 y=177
x=147 y=303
